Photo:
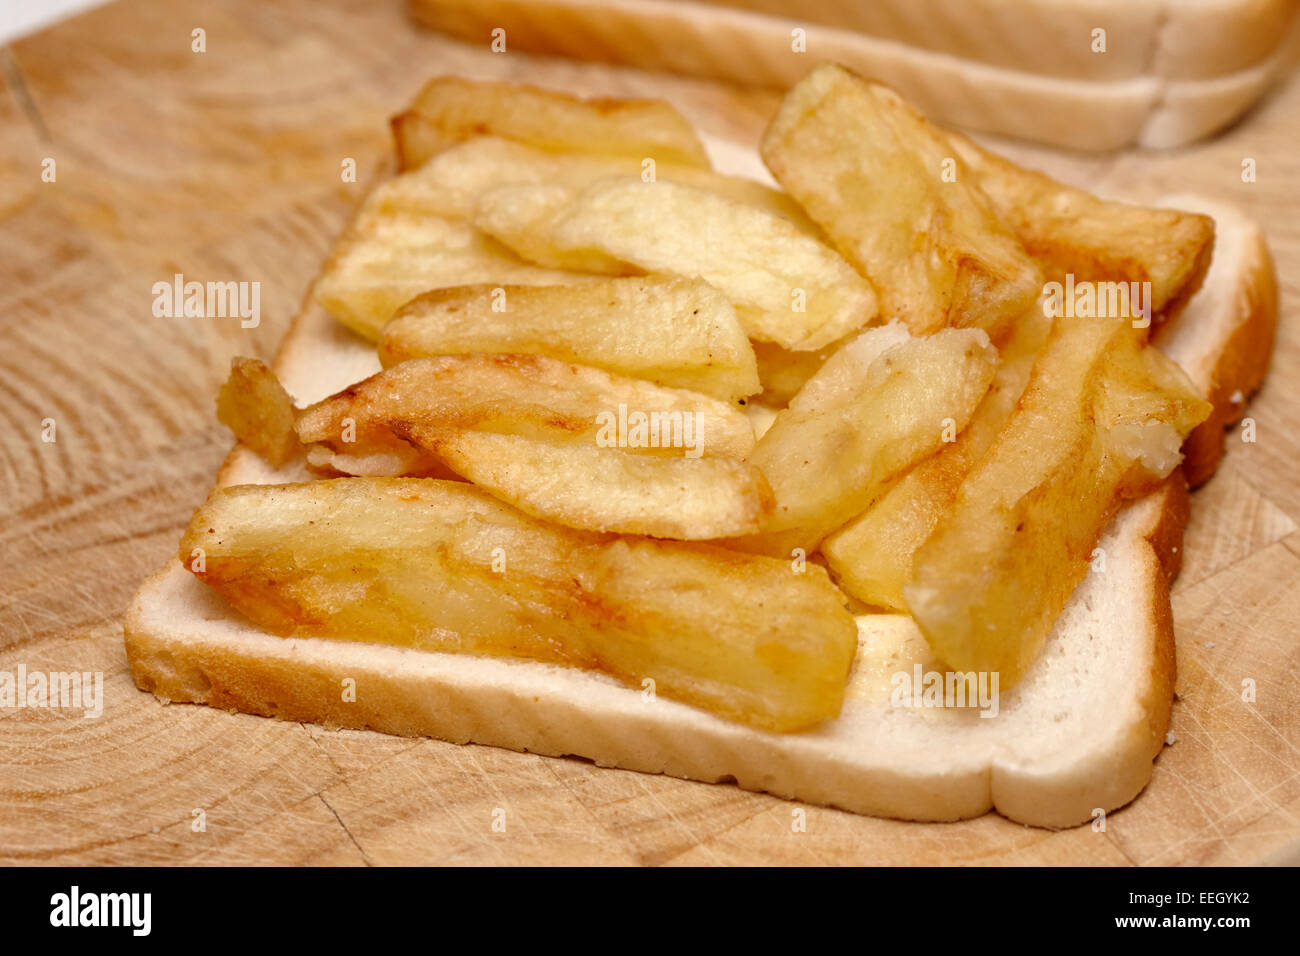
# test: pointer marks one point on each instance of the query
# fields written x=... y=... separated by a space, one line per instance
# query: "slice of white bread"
x=1157 y=85
x=1173 y=39
x=1078 y=734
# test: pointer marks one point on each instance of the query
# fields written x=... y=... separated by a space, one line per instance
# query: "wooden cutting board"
x=225 y=165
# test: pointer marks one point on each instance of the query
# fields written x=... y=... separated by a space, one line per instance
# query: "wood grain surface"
x=225 y=165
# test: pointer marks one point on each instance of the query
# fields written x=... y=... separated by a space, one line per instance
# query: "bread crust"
x=1243 y=359
x=1172 y=39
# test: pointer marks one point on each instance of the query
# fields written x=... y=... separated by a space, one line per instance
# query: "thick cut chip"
x=442 y=566
x=597 y=488
x=849 y=432
x=677 y=332
x=787 y=287
x=1101 y=421
x=871 y=556
x=1074 y=233
x=889 y=191
x=452 y=183
x=528 y=395
x=254 y=405
x=451 y=109
x=388 y=256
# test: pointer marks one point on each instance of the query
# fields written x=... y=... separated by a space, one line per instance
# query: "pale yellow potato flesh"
x=682 y=333
x=1101 y=421
x=391 y=461
x=450 y=109
x=787 y=287
x=871 y=556
x=895 y=198
x=452 y=183
x=848 y=433
x=388 y=256
x=529 y=395
x=600 y=488
x=442 y=566
x=846 y=369
x=254 y=405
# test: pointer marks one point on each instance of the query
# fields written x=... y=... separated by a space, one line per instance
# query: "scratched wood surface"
x=224 y=165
